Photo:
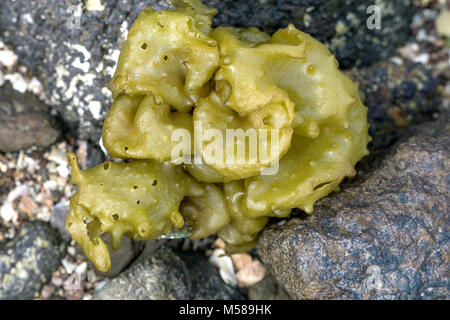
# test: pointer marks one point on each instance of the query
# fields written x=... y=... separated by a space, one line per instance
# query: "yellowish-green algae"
x=175 y=69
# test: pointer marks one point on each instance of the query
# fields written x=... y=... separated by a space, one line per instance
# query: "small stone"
x=240 y=260
x=48 y=202
x=18 y=192
x=221 y=261
x=218 y=243
x=81 y=269
x=7 y=212
x=25 y=122
x=250 y=274
x=57 y=155
x=72 y=251
x=87 y=296
x=8 y=58
x=27 y=205
x=57 y=281
x=47 y=291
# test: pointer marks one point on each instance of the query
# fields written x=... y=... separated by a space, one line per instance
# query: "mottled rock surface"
x=27 y=261
x=73 y=50
x=25 y=121
x=169 y=275
x=385 y=237
x=397 y=97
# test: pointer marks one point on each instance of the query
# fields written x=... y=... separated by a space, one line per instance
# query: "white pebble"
x=81 y=269
x=8 y=58
x=225 y=265
x=7 y=212
x=17 y=81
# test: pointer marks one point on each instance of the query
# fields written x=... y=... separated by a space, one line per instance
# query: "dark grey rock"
x=28 y=261
x=267 y=289
x=58 y=216
x=397 y=96
x=169 y=275
x=25 y=121
x=42 y=34
x=385 y=237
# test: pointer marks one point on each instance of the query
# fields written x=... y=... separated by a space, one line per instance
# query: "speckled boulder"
x=28 y=261
x=385 y=237
x=169 y=275
x=25 y=121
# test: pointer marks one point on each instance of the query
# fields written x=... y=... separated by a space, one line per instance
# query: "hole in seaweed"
x=94 y=229
x=135 y=187
x=138 y=202
x=85 y=220
x=155 y=182
x=320 y=185
x=144 y=46
x=126 y=148
x=166 y=57
x=115 y=217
